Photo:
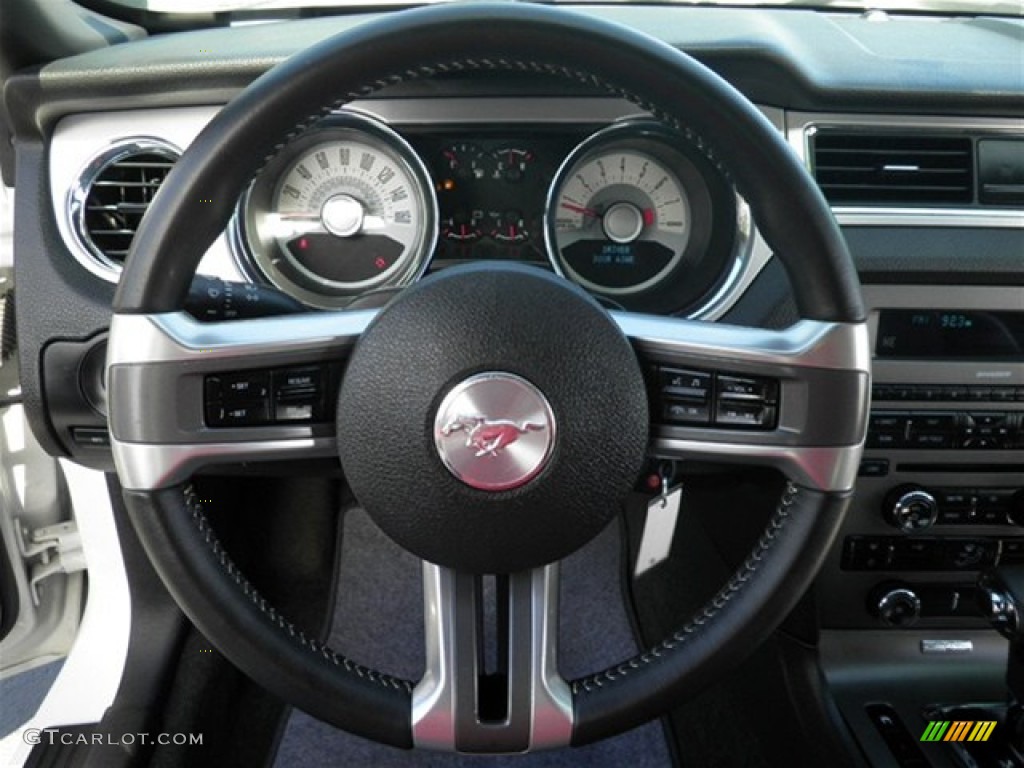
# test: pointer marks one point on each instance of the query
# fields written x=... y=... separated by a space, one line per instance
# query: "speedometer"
x=637 y=215
x=344 y=210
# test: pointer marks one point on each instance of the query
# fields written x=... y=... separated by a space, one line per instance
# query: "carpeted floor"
x=21 y=695
x=379 y=621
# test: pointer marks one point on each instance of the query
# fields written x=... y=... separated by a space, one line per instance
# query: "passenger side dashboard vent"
x=112 y=195
x=889 y=168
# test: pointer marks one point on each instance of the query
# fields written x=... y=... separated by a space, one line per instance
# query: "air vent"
x=890 y=169
x=113 y=193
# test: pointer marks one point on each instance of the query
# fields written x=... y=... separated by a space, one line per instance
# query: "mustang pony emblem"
x=488 y=436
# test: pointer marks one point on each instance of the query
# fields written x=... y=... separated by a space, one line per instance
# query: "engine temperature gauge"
x=509 y=227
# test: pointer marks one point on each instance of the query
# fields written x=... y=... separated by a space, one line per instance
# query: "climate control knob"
x=898 y=606
x=910 y=508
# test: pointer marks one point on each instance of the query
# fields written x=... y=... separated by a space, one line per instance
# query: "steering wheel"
x=506 y=344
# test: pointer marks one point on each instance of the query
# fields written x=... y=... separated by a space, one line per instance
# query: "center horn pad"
x=492 y=418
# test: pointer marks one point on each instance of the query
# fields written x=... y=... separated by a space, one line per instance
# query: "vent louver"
x=889 y=169
x=114 y=193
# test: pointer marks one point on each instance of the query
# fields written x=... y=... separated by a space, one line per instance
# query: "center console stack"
x=940 y=499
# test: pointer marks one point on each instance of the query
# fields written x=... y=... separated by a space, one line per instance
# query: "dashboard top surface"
x=785 y=57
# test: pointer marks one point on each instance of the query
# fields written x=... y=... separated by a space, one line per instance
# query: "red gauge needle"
x=580 y=209
x=648 y=216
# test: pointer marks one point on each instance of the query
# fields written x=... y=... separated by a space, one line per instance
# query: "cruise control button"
x=236 y=414
x=297 y=378
x=239 y=387
x=296 y=411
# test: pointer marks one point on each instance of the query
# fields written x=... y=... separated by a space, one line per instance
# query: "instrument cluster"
x=353 y=210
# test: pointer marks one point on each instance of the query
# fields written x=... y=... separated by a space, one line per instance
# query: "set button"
x=257 y=398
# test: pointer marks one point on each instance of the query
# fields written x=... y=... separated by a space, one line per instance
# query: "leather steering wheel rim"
x=469 y=38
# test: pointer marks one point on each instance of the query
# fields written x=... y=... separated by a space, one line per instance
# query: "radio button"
x=933 y=422
x=1002 y=394
x=881 y=392
x=903 y=392
x=873 y=468
x=979 y=394
x=998 y=499
x=988 y=419
x=952 y=517
x=888 y=420
x=955 y=498
x=885 y=439
x=970 y=554
x=954 y=394
x=1013 y=551
x=931 y=440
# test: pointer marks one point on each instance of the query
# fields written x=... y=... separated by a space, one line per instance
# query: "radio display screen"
x=950 y=334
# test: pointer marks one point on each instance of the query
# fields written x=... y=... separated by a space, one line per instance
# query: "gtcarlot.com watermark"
x=53 y=736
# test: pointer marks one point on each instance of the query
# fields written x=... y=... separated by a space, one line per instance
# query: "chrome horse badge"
x=486 y=436
x=494 y=431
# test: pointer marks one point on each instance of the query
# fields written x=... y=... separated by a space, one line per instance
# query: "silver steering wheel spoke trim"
x=157 y=363
x=817 y=365
x=156 y=367
x=445 y=704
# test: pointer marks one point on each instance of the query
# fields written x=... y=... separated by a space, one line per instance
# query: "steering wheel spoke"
x=755 y=396
x=519 y=705
x=185 y=394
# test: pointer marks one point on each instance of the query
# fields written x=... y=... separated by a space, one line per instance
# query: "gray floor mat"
x=378 y=621
x=21 y=695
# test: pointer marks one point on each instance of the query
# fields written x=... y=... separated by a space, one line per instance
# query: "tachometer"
x=631 y=213
x=346 y=209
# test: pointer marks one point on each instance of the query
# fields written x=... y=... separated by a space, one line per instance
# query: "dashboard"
x=362 y=205
x=434 y=174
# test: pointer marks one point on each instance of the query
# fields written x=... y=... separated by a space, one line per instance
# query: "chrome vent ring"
x=109 y=198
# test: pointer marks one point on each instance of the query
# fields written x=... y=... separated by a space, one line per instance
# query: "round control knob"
x=997 y=605
x=1015 y=516
x=898 y=607
x=910 y=508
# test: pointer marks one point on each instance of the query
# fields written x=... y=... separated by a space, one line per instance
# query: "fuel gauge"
x=465 y=161
x=462 y=227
